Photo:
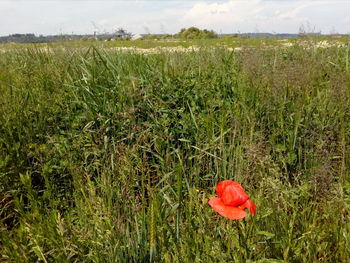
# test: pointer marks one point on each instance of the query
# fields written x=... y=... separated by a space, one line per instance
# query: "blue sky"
x=169 y=16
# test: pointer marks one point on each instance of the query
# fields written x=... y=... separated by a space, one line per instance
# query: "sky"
x=50 y=17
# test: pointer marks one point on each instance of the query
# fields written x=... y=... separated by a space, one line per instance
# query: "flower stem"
x=243 y=239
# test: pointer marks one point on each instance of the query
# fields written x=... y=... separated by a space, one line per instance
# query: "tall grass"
x=111 y=156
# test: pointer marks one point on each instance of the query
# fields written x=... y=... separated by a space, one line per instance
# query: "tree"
x=122 y=33
x=196 y=33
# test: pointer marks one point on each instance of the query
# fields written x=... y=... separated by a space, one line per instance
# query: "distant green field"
x=111 y=156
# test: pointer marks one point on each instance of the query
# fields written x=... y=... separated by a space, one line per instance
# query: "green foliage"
x=195 y=33
x=109 y=156
x=167 y=36
x=150 y=37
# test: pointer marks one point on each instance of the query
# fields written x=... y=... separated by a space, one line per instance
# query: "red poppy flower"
x=231 y=200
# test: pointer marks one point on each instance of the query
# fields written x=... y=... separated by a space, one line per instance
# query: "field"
x=111 y=155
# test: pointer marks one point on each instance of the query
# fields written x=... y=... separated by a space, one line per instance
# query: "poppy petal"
x=250 y=205
x=226 y=211
x=234 y=196
x=220 y=187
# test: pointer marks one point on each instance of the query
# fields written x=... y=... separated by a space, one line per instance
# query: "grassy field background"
x=110 y=156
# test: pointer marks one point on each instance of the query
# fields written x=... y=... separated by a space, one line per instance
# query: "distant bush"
x=167 y=36
x=231 y=36
x=195 y=33
x=150 y=37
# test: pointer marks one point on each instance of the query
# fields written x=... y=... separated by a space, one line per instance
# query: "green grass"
x=108 y=156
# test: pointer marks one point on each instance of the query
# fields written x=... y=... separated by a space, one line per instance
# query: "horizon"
x=161 y=34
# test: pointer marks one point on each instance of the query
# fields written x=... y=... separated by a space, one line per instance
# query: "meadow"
x=111 y=156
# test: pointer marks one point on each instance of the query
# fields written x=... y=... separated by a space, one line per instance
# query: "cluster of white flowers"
x=282 y=43
x=155 y=50
x=321 y=44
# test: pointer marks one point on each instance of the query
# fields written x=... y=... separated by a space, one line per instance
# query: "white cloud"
x=5 y=4
x=346 y=19
x=293 y=14
x=267 y=15
x=223 y=14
